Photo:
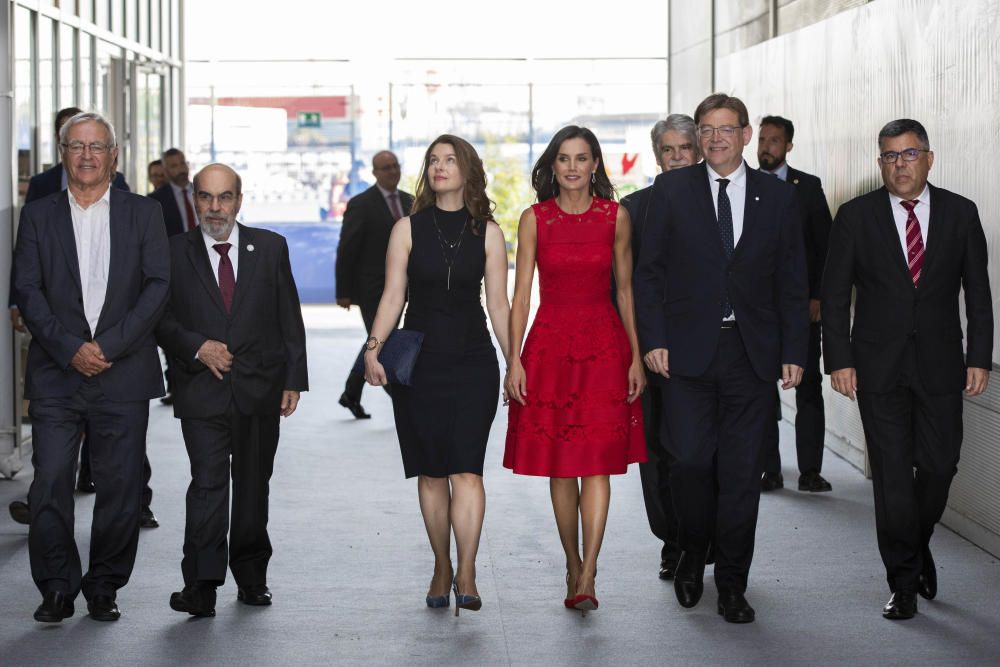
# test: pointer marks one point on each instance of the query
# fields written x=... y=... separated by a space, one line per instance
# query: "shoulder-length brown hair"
x=470 y=166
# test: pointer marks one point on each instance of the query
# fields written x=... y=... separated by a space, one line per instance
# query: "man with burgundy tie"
x=176 y=196
x=364 y=239
x=233 y=329
x=907 y=250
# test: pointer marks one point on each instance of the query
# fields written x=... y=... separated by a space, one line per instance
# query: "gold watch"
x=373 y=343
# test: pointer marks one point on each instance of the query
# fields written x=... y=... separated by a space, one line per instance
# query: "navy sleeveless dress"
x=443 y=419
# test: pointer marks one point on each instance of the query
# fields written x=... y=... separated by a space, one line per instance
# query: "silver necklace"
x=454 y=246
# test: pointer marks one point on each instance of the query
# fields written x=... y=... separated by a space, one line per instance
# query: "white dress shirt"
x=179 y=198
x=234 y=253
x=92 y=229
x=737 y=191
x=922 y=211
x=781 y=172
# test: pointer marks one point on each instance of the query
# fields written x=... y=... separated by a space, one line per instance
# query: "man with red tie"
x=364 y=239
x=908 y=249
x=176 y=196
x=233 y=329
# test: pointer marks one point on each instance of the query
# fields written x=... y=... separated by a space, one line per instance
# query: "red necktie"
x=192 y=222
x=397 y=212
x=914 y=242
x=227 y=279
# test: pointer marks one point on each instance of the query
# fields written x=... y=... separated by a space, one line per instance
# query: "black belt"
x=728 y=324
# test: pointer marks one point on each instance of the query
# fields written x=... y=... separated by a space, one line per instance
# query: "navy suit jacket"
x=264 y=330
x=171 y=212
x=683 y=270
x=49 y=182
x=866 y=258
x=817 y=219
x=48 y=291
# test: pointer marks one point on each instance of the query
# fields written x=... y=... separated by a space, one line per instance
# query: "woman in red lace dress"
x=574 y=412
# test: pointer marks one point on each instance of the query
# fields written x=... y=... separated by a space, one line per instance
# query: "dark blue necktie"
x=728 y=240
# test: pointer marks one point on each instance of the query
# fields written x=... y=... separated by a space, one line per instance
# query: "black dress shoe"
x=900 y=607
x=667 y=569
x=710 y=554
x=167 y=400
x=689 y=578
x=103 y=608
x=84 y=483
x=354 y=407
x=54 y=608
x=927 y=579
x=734 y=607
x=257 y=596
x=147 y=519
x=772 y=481
x=813 y=482
x=195 y=600
x=20 y=512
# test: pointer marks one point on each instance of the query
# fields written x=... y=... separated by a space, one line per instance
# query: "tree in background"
x=508 y=184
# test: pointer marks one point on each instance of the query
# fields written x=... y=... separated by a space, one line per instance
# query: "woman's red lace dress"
x=576 y=357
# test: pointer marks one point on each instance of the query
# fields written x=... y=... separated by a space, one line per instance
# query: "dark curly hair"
x=470 y=166
x=543 y=177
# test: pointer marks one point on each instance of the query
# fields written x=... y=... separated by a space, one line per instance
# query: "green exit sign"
x=310 y=119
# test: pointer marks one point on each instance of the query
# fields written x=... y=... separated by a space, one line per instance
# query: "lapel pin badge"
x=249 y=247
x=756 y=198
x=795 y=181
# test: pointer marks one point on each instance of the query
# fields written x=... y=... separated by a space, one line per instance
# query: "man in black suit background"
x=722 y=312
x=774 y=142
x=907 y=250
x=364 y=238
x=233 y=327
x=675 y=145
x=91 y=277
x=175 y=196
x=155 y=174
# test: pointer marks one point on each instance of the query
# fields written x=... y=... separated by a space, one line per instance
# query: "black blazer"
x=171 y=212
x=264 y=332
x=866 y=255
x=816 y=216
x=683 y=270
x=49 y=182
x=364 y=239
x=48 y=292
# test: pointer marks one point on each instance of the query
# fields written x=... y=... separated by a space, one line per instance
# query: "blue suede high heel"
x=438 y=601
x=462 y=601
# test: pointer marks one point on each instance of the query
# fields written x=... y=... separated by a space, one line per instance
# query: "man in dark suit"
x=907 y=250
x=722 y=313
x=364 y=239
x=91 y=276
x=176 y=196
x=675 y=145
x=156 y=176
x=773 y=144
x=233 y=328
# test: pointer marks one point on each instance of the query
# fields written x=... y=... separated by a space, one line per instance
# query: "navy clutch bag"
x=398 y=356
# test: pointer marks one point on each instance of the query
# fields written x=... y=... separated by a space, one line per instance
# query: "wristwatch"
x=373 y=342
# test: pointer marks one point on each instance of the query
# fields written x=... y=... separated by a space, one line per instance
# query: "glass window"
x=67 y=66
x=46 y=92
x=143 y=16
x=86 y=88
x=24 y=119
x=105 y=52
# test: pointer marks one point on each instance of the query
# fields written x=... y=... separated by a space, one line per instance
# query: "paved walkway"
x=351 y=567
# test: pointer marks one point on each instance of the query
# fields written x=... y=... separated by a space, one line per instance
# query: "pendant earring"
x=593 y=177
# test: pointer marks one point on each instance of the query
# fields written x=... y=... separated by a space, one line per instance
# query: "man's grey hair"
x=237 y=183
x=895 y=128
x=678 y=122
x=88 y=116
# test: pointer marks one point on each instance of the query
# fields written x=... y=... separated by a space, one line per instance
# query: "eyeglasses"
x=77 y=147
x=206 y=199
x=908 y=155
x=387 y=167
x=706 y=131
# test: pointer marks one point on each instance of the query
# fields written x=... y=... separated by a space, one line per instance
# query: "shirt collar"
x=385 y=193
x=234 y=237
x=736 y=179
x=177 y=189
x=781 y=172
x=105 y=198
x=924 y=197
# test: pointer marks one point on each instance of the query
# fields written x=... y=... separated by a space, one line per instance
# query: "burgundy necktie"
x=397 y=212
x=914 y=241
x=227 y=279
x=191 y=221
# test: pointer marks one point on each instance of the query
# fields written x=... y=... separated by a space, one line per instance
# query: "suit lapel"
x=934 y=233
x=750 y=206
x=248 y=254
x=887 y=225
x=702 y=193
x=198 y=256
x=67 y=238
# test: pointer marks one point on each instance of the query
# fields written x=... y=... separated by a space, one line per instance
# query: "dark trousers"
x=250 y=442
x=147 y=471
x=116 y=455
x=913 y=441
x=810 y=416
x=356 y=382
x=717 y=423
x=655 y=473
